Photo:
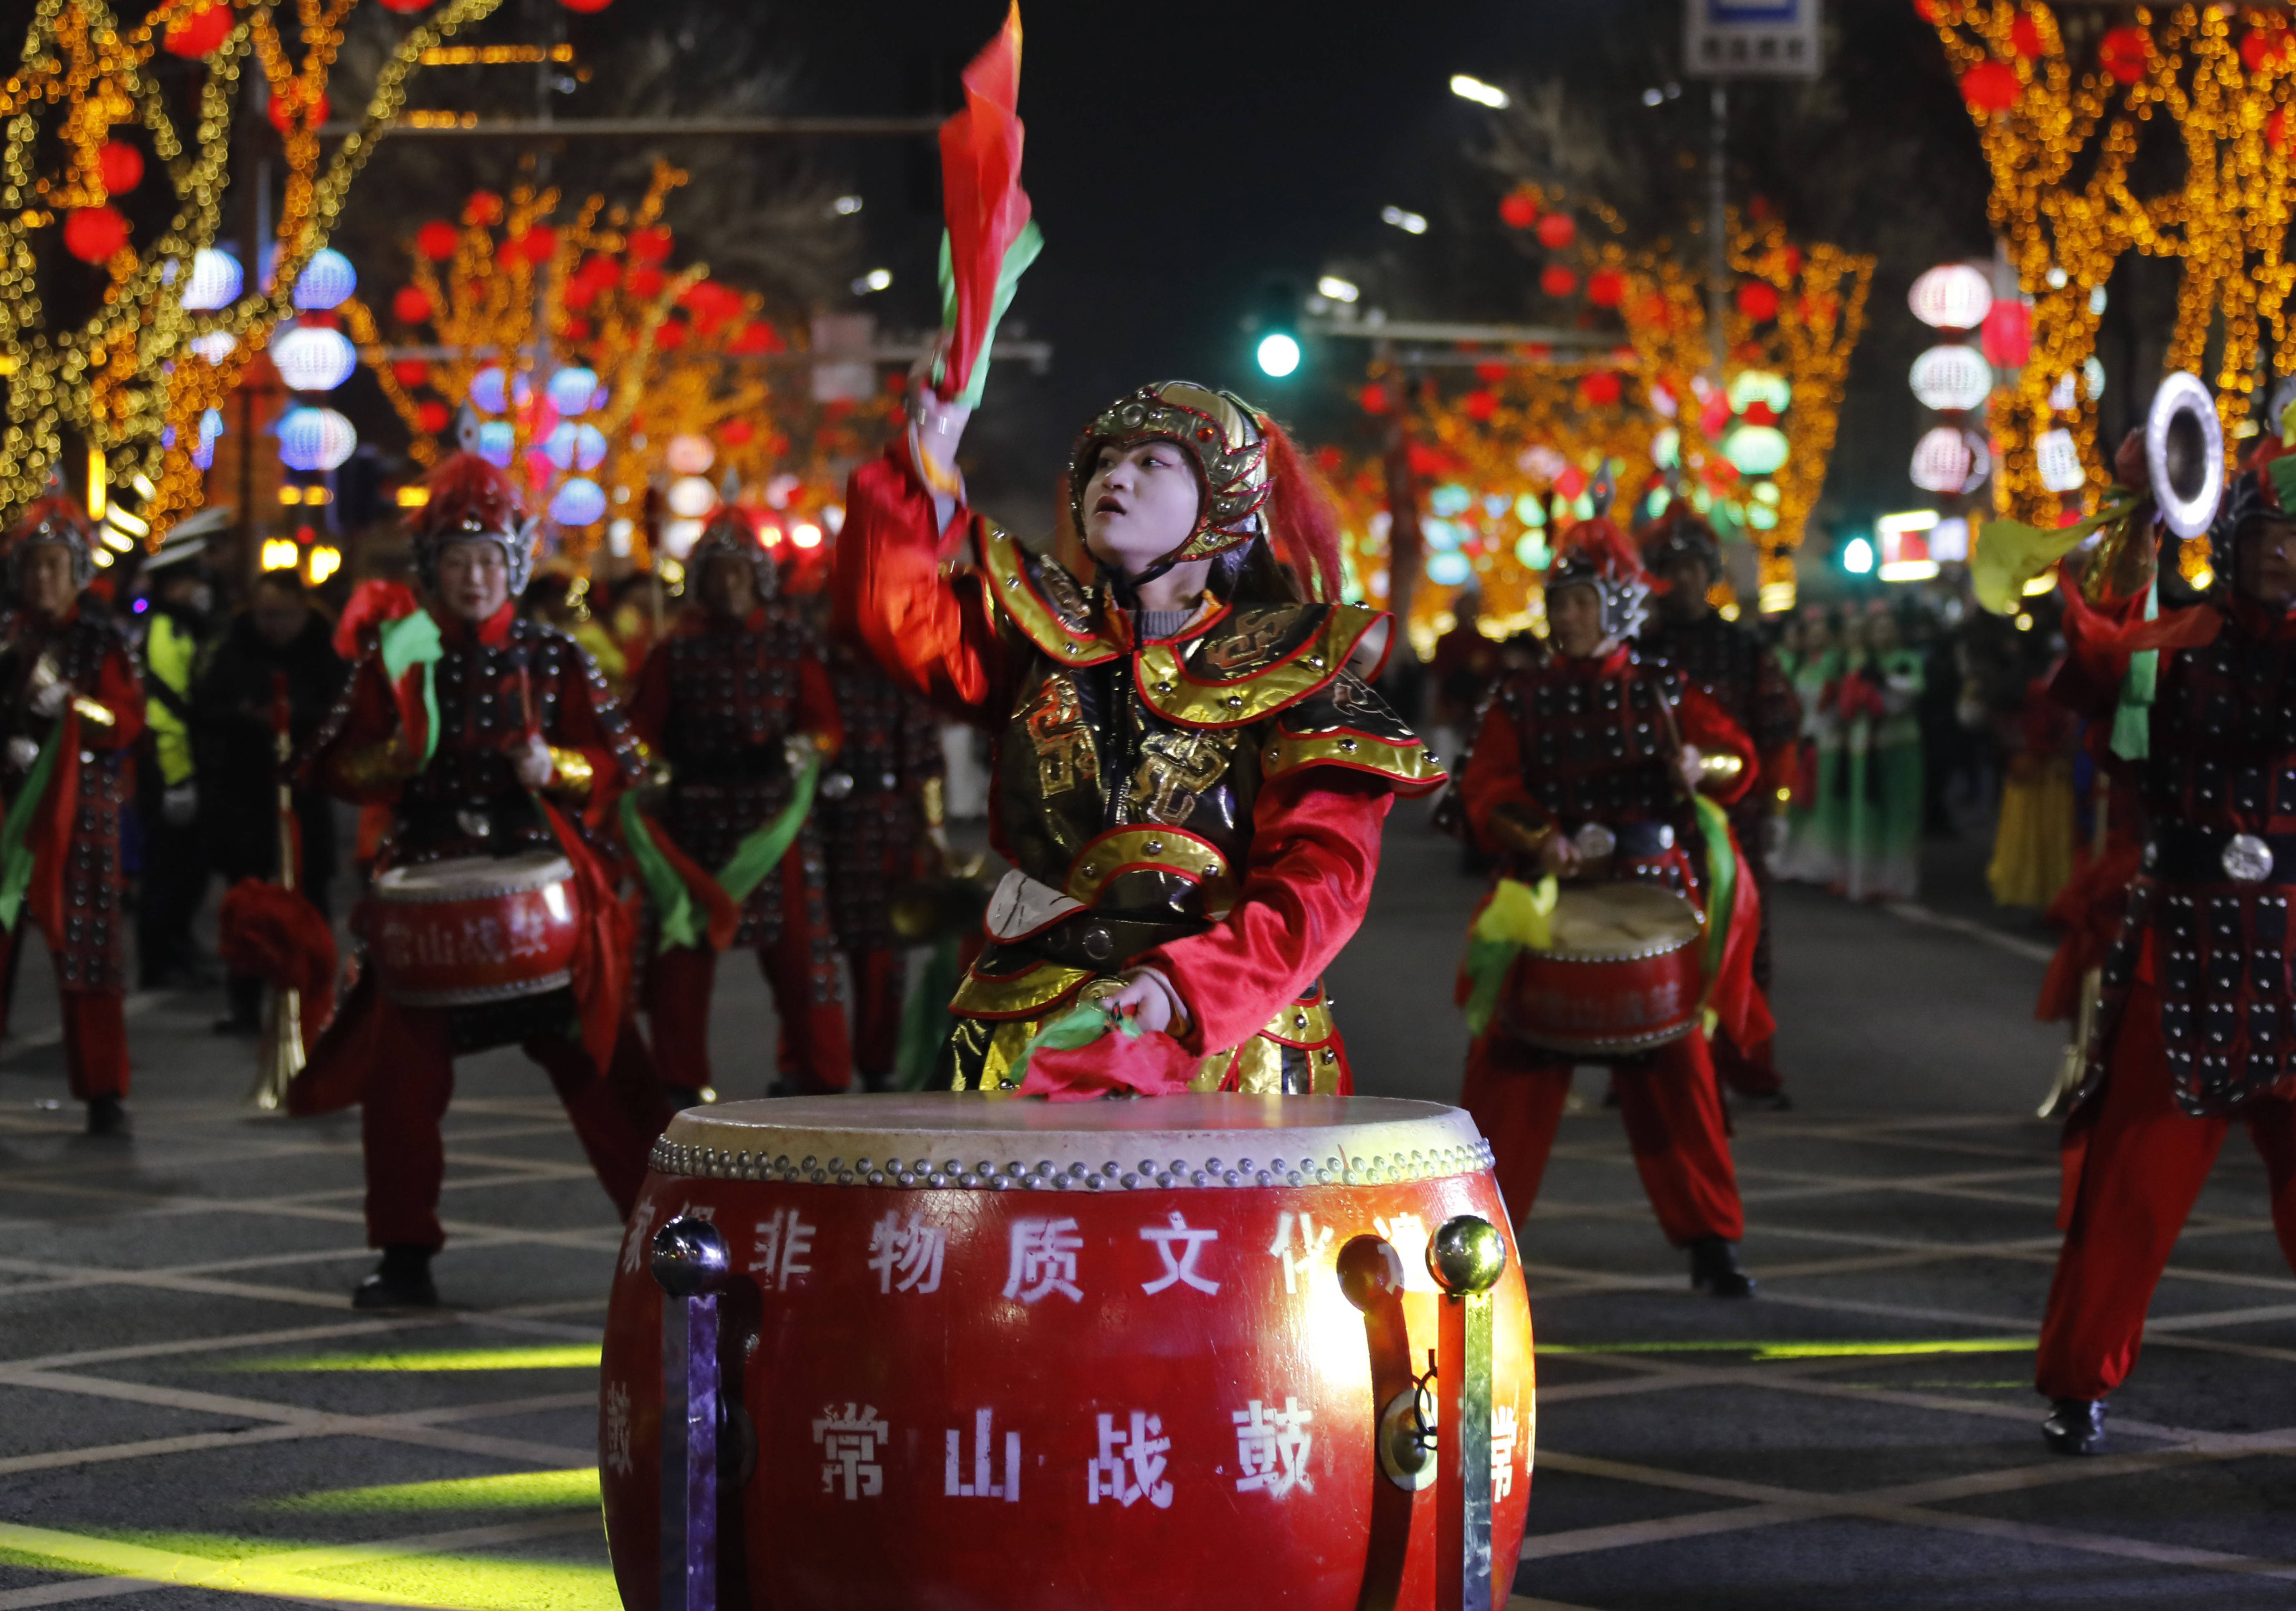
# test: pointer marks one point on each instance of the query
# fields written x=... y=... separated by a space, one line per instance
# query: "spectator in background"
x=558 y=597
x=1466 y=667
x=278 y=648
x=1812 y=852
x=176 y=628
x=1881 y=774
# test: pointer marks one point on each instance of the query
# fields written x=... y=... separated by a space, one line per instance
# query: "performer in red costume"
x=74 y=707
x=880 y=817
x=1191 y=768
x=2194 y=1031
x=526 y=738
x=736 y=700
x=1731 y=666
x=1596 y=736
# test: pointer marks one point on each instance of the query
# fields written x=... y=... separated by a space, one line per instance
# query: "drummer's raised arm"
x=929 y=631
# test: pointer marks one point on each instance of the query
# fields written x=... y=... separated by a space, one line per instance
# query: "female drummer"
x=476 y=739
x=1190 y=767
x=1584 y=768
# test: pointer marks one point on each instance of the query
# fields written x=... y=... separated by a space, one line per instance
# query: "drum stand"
x=281 y=1058
x=1466 y=1255
x=698 y=1417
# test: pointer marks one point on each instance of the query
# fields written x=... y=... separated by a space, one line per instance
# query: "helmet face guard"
x=1222 y=437
x=52 y=522
x=1594 y=553
x=730 y=537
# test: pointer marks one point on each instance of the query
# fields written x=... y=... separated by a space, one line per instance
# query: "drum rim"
x=548 y=868
x=1593 y=957
x=1046 y=1147
x=1605 y=1045
x=478 y=996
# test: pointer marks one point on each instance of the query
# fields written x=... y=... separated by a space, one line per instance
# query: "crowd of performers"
x=1192 y=766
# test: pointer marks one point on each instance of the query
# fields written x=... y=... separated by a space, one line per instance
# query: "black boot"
x=1714 y=1269
x=106 y=1117
x=402 y=1281
x=2076 y=1426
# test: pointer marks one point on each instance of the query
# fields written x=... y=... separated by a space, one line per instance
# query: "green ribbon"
x=414 y=640
x=1721 y=882
x=1518 y=917
x=753 y=859
x=2132 y=724
x=16 y=831
x=1018 y=256
x=925 y=1017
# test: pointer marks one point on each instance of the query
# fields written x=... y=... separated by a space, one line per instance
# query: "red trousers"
x=878 y=979
x=616 y=1115
x=1673 y=1113
x=1749 y=1071
x=95 y=1028
x=2134 y=1162
x=814 y=1045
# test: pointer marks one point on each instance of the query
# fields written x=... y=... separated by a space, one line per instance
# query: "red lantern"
x=1374 y=400
x=586 y=5
x=1606 y=288
x=1557 y=230
x=536 y=244
x=1572 y=481
x=1790 y=260
x=2275 y=129
x=1481 y=405
x=484 y=210
x=93 y=234
x=669 y=336
x=1490 y=373
x=736 y=433
x=409 y=304
x=1600 y=389
x=1762 y=413
x=121 y=166
x=1518 y=210
x=578 y=330
x=2123 y=52
x=1926 y=9
x=650 y=245
x=645 y=282
x=1714 y=414
x=196 y=33
x=409 y=372
x=437 y=239
x=2025 y=36
x=405 y=7
x=1557 y=281
x=1758 y=301
x=1991 y=86
x=758 y=336
x=433 y=417
x=292 y=111
x=2008 y=334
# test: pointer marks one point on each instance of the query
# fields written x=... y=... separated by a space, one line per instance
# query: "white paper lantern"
x=1541 y=464
x=1756 y=450
x=217 y=278
x=578 y=502
x=1950 y=541
x=679 y=536
x=1950 y=461
x=1666 y=447
x=496 y=443
x=2059 y=459
x=216 y=346
x=315 y=440
x=1953 y=378
x=1749 y=387
x=326 y=281
x=692 y=497
x=570 y=390
x=1448 y=570
x=1952 y=296
x=2060 y=394
x=690 y=454
x=573 y=447
x=489 y=390
x=311 y=359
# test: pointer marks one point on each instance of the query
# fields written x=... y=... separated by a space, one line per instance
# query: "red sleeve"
x=2088 y=680
x=816 y=704
x=931 y=632
x=1494 y=774
x=590 y=722
x=1315 y=851
x=121 y=692
x=1705 y=725
x=648 y=709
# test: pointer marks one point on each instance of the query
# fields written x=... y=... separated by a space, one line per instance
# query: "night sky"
x=1177 y=158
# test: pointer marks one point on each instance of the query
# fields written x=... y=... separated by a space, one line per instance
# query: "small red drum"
x=986 y=1354
x=474 y=929
x=1626 y=972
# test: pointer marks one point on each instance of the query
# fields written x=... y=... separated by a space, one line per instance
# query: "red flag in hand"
x=990 y=237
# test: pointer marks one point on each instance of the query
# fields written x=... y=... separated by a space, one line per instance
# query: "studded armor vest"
x=1596 y=744
x=1736 y=669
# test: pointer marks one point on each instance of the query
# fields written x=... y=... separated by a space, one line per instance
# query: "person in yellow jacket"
x=179 y=607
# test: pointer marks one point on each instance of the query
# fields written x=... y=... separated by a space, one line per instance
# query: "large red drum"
x=473 y=929
x=1626 y=972
x=1001 y=1355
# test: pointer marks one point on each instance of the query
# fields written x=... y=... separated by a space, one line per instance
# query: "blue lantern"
x=490 y=391
x=579 y=502
x=572 y=389
x=497 y=442
x=313 y=440
x=326 y=281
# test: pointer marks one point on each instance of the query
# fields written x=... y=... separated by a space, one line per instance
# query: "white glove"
x=21 y=752
x=800 y=751
x=532 y=762
x=51 y=697
x=179 y=807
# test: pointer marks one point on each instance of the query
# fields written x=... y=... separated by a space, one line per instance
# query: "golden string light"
x=127 y=380
x=2060 y=141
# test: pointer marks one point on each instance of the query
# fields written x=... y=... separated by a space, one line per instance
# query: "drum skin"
x=474 y=929
x=1633 y=977
x=885 y=1389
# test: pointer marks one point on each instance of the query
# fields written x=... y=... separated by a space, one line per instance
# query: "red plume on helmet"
x=1303 y=518
x=1595 y=554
